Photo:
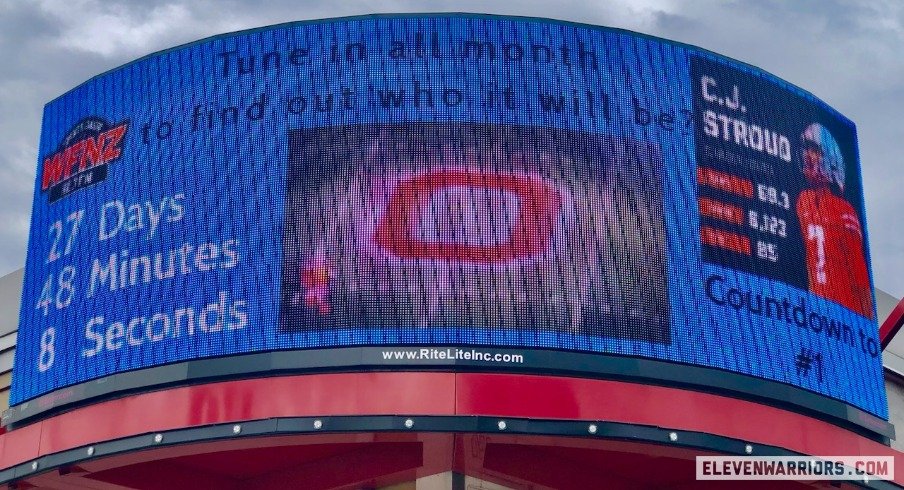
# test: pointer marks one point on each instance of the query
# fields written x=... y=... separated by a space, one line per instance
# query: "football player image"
x=833 y=236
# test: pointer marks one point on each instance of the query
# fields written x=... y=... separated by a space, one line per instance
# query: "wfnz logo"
x=82 y=157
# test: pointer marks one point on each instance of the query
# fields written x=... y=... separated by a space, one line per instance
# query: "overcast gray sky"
x=850 y=54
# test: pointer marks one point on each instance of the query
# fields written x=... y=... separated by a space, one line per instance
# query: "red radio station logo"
x=82 y=157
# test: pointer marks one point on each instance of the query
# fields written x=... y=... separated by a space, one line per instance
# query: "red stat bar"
x=725 y=182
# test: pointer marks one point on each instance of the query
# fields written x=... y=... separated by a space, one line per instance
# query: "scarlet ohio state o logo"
x=530 y=232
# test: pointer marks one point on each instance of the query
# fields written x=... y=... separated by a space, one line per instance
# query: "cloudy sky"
x=847 y=53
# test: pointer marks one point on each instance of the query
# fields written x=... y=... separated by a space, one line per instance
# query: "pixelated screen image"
x=474 y=225
x=466 y=183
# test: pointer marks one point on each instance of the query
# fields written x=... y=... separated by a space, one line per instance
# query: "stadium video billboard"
x=440 y=186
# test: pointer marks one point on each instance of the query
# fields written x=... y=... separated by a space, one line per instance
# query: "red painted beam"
x=434 y=393
x=892 y=324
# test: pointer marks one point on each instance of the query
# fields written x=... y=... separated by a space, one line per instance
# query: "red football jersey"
x=833 y=238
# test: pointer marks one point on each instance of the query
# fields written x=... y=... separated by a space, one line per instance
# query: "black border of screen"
x=536 y=362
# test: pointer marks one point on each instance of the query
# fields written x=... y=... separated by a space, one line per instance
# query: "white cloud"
x=115 y=30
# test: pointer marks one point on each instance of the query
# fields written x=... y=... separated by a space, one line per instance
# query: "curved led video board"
x=448 y=189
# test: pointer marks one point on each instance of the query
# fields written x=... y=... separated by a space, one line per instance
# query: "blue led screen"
x=453 y=180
